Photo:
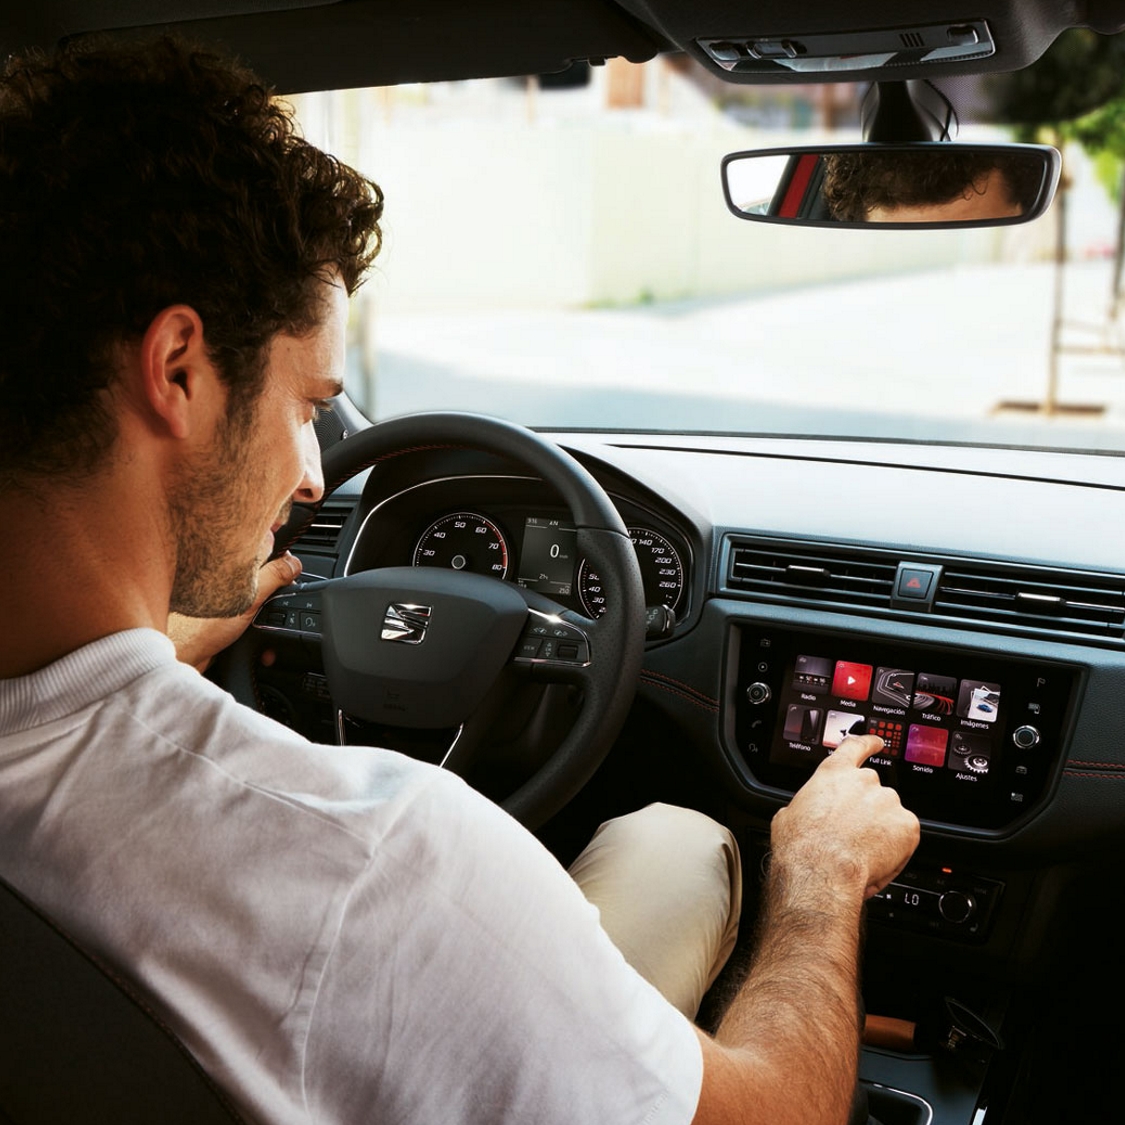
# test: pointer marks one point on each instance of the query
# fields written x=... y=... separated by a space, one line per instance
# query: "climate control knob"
x=758 y=693
x=956 y=906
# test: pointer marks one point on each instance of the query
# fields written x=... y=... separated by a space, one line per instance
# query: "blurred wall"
x=505 y=202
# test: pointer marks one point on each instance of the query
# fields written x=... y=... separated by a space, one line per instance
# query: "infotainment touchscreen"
x=929 y=720
x=967 y=738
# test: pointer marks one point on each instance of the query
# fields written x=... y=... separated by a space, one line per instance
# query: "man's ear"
x=178 y=379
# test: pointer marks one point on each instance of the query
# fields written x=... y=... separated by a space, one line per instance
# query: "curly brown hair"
x=137 y=177
x=855 y=183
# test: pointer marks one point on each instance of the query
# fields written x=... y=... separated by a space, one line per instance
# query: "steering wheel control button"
x=297 y=615
x=915 y=586
x=759 y=693
x=1026 y=737
x=550 y=640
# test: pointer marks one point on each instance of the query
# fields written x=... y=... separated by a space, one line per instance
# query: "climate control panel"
x=938 y=902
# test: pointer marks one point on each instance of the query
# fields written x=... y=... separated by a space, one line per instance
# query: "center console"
x=973 y=742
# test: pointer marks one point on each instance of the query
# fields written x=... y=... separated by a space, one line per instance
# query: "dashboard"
x=968 y=604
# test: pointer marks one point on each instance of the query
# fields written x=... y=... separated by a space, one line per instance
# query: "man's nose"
x=311 y=488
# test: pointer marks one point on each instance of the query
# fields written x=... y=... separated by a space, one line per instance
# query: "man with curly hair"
x=338 y=934
x=949 y=184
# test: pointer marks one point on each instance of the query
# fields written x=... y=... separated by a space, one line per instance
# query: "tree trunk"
x=1050 y=403
x=1119 y=251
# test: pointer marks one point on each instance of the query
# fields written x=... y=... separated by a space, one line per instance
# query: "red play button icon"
x=851 y=681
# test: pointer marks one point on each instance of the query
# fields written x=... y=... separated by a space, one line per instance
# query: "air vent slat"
x=1033 y=599
x=324 y=532
x=1059 y=621
x=1039 y=608
x=798 y=574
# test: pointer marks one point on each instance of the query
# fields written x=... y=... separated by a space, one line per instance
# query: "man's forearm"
x=795 y=1022
x=786 y=1052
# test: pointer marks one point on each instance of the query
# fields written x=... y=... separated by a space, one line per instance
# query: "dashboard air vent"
x=979 y=594
x=324 y=531
x=1044 y=600
x=795 y=572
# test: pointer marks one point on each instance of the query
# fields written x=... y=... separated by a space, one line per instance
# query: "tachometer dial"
x=464 y=541
x=661 y=570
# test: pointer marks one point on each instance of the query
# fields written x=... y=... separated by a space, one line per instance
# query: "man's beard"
x=207 y=514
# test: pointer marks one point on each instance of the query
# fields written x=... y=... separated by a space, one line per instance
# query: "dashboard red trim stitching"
x=647 y=678
x=687 y=687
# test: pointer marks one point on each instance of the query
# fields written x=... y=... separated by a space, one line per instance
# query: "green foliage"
x=1107 y=168
x=1103 y=130
x=1078 y=79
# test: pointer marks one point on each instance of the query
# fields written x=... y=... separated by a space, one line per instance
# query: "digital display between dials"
x=547 y=556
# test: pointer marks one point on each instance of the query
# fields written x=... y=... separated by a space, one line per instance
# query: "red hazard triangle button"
x=914 y=584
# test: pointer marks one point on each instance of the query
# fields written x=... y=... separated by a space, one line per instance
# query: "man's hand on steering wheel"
x=199 y=640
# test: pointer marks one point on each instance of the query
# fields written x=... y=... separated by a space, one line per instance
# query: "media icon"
x=851 y=681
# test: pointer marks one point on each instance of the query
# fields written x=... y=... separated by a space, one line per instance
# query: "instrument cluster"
x=511 y=528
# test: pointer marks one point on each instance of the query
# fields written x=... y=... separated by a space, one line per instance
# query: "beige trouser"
x=668 y=884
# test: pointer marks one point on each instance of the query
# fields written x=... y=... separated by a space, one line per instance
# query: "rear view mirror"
x=917 y=185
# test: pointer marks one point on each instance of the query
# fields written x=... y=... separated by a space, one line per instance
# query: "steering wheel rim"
x=616 y=640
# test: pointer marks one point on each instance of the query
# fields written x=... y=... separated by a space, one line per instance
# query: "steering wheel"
x=420 y=647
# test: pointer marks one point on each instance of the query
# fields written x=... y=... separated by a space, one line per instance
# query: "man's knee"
x=668 y=883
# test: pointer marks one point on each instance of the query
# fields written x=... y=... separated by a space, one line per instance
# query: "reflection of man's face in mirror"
x=988 y=196
x=952 y=185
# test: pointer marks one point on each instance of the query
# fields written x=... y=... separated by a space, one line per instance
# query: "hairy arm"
x=786 y=1052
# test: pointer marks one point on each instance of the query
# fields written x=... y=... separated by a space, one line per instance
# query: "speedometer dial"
x=464 y=541
x=661 y=570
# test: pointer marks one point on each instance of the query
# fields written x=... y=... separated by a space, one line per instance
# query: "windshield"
x=562 y=256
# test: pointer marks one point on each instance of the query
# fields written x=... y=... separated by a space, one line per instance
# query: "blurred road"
x=924 y=356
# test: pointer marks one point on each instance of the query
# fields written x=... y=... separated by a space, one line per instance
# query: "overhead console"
x=971 y=740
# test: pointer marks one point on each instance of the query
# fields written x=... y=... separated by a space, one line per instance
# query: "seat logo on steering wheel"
x=406 y=622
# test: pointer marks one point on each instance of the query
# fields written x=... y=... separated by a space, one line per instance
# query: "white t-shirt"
x=339 y=934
